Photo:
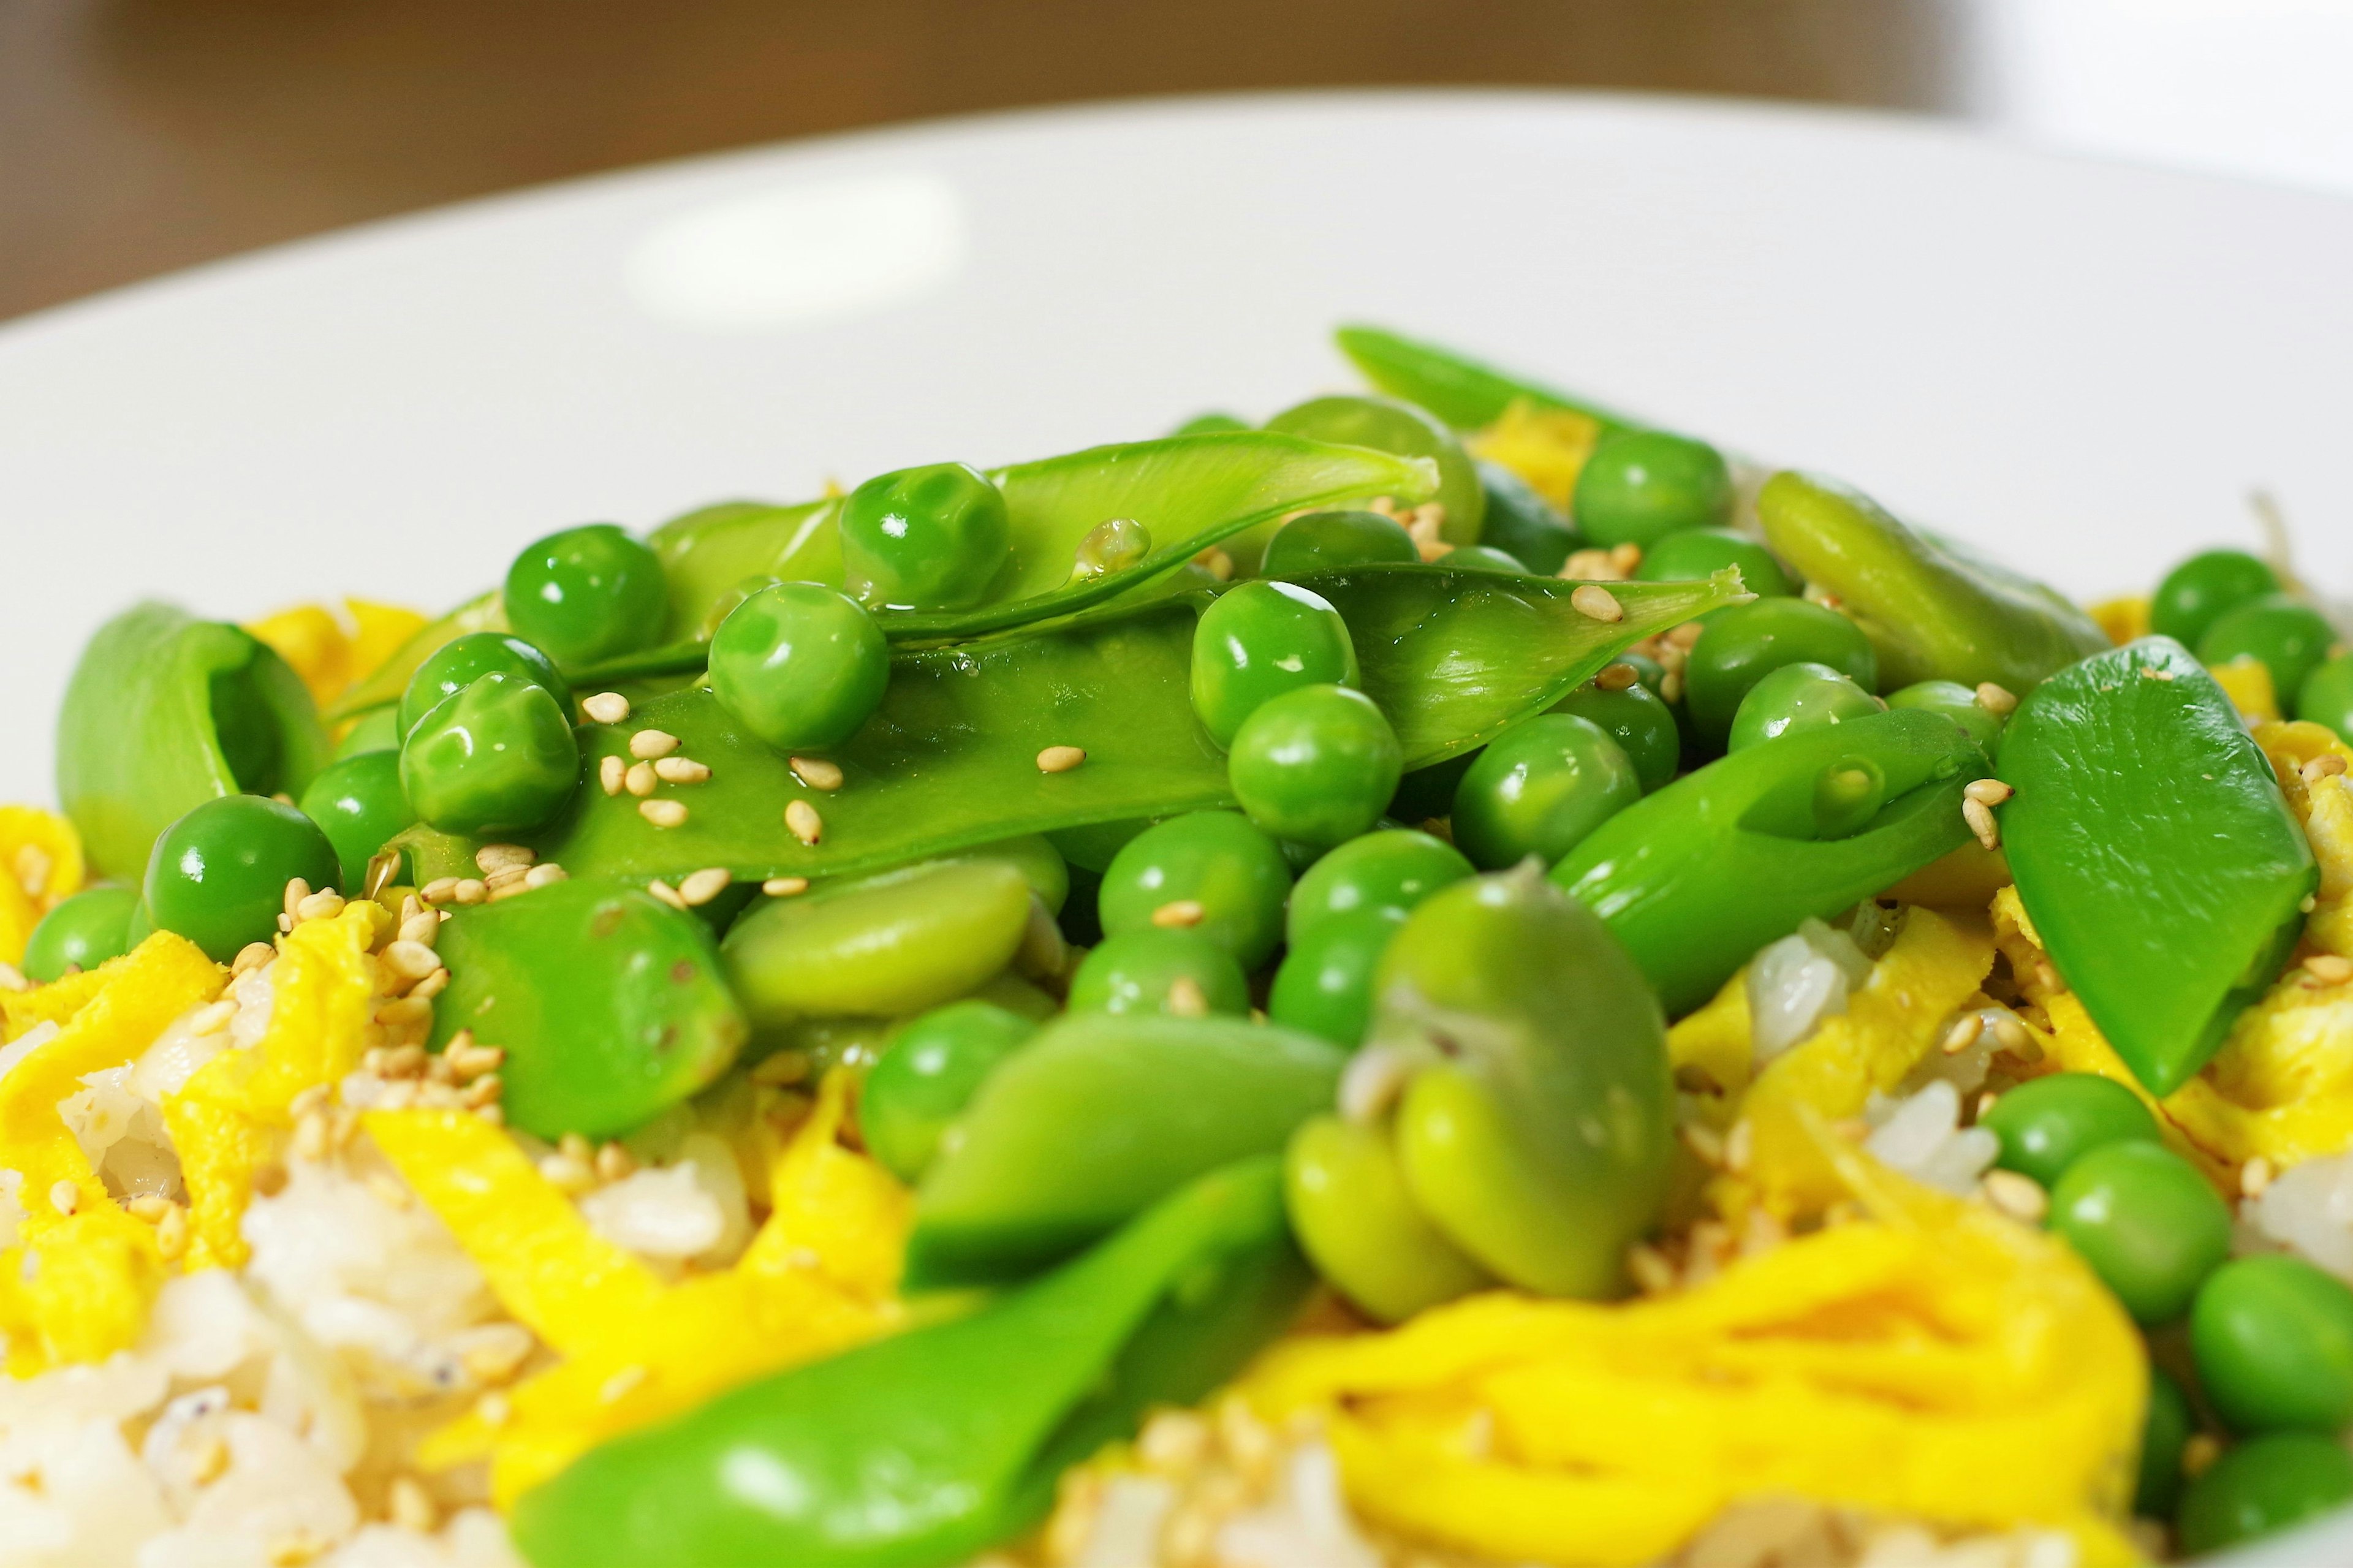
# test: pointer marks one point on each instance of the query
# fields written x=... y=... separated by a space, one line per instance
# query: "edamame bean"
x=2205 y=588
x=2148 y=1224
x=1258 y=641
x=1644 y=485
x=802 y=666
x=1392 y=870
x=1954 y=701
x=2048 y=1124
x=929 y=538
x=1325 y=984
x=1643 y=727
x=1316 y=765
x=459 y=663
x=2273 y=1339
x=926 y=1076
x=82 y=933
x=1797 y=698
x=1326 y=541
x=499 y=757
x=2262 y=1486
x=1691 y=553
x=587 y=594
x=358 y=803
x=1539 y=788
x=1174 y=971
x=1211 y=870
x=1746 y=643
x=2287 y=635
x=218 y=874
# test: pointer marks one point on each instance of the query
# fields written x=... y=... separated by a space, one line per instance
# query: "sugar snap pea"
x=1458 y=389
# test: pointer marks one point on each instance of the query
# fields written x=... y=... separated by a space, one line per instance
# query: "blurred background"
x=137 y=136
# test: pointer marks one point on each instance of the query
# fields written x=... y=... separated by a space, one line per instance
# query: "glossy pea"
x=1428 y=792
x=926 y=1076
x=1797 y=698
x=1643 y=727
x=2147 y=1222
x=800 y=666
x=1522 y=523
x=1217 y=859
x=499 y=757
x=2048 y=1124
x=1393 y=869
x=2327 y=696
x=2262 y=1486
x=459 y=662
x=1692 y=554
x=2164 y=1432
x=1094 y=846
x=82 y=933
x=1386 y=424
x=1746 y=643
x=2288 y=636
x=377 y=730
x=1258 y=641
x=1539 y=788
x=358 y=803
x=1481 y=558
x=1174 y=971
x=929 y=538
x=218 y=874
x=1954 y=701
x=1316 y=765
x=1641 y=487
x=1355 y=1220
x=1326 y=983
x=2205 y=588
x=2273 y=1339
x=1328 y=540
x=587 y=594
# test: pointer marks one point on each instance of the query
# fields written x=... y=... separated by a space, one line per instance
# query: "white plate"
x=2083 y=366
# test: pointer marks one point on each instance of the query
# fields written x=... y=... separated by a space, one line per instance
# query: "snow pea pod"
x=386 y=683
x=165 y=712
x=1460 y=390
x=929 y=1447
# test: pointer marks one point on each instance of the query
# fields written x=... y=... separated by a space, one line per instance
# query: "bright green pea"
x=377 y=730
x=218 y=874
x=1539 y=788
x=1217 y=859
x=1428 y=792
x=1326 y=983
x=2164 y=1432
x=2146 y=1221
x=1141 y=970
x=587 y=594
x=2047 y=1123
x=1697 y=552
x=358 y=803
x=1316 y=765
x=2327 y=696
x=1644 y=485
x=2290 y=637
x=82 y=933
x=139 y=927
x=1260 y=640
x=1328 y=540
x=1214 y=423
x=1355 y=1216
x=1744 y=643
x=1385 y=425
x=1522 y=523
x=459 y=662
x=1954 y=701
x=1643 y=727
x=499 y=757
x=1093 y=846
x=1481 y=558
x=932 y=537
x=2273 y=1339
x=927 y=1075
x=2264 y=1485
x=1794 y=698
x=801 y=665
x=2205 y=588
x=1393 y=869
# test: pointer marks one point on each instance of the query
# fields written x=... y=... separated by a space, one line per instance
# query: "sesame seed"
x=2328 y=765
x=662 y=813
x=311 y=1138
x=411 y=959
x=666 y=893
x=1178 y=913
x=807 y=825
x=495 y=857
x=440 y=891
x=2021 y=1197
x=1737 y=1146
x=381 y=867
x=1703 y=1141
x=1653 y=1274
x=647 y=744
x=494 y=1409
x=1060 y=759
x=172 y=1234
x=405 y=1010
x=1962 y=1035
x=1596 y=603
x=546 y=875
x=13 y=978
x=149 y=1207
x=682 y=771
x=1988 y=792
x=1686 y=636
x=410 y=1505
x=1980 y=816
x=607 y=707
x=1671 y=688
x=816 y=772
x=2255 y=1176
x=565 y=1175
x=297 y=1548
x=1996 y=699
x=621 y=1384
x=2329 y=969
x=1624 y=558
x=705 y=885
x=639 y=779
x=296 y=891
x=1216 y=563
x=214 y=1016
x=1589 y=566
x=615 y=1162
x=2010 y=1032
x=469 y=891
x=612 y=773
x=1186 y=999
x=785 y=886
x=1617 y=676
x=65 y=1197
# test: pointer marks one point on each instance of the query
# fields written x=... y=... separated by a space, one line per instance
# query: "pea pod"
x=165 y=712
x=388 y=681
x=1457 y=388
x=2152 y=851
x=1096 y=1119
x=931 y=1447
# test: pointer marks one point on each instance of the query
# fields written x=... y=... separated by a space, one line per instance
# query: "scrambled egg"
x=330 y=651
x=40 y=867
x=1546 y=446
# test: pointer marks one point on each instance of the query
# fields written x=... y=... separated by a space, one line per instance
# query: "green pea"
x=587 y=594
x=2327 y=696
x=459 y=662
x=1481 y=558
x=1316 y=765
x=1428 y=792
x=1328 y=540
x=139 y=927
x=2164 y=1432
x=932 y=537
x=218 y=874
x=1357 y=1220
x=2262 y=1486
x=1691 y=553
x=2146 y=1221
x=2288 y=636
x=1746 y=643
x=1648 y=671
x=610 y=1005
x=1539 y=788
x=1214 y=423
x=1326 y=983
x=377 y=730
x=1217 y=860
x=927 y=1075
x=1643 y=727
x=1522 y=523
x=801 y=665
x=1393 y=869
x=358 y=803
x=1644 y=485
x=1954 y=701
x=1386 y=424
x=2048 y=1124
x=82 y=933
x=1142 y=971
x=1093 y=846
x=2205 y=588
x=2273 y=1339
x=499 y=757
x=1258 y=641
x=1794 y=698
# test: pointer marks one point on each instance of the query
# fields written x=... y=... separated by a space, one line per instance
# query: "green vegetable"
x=1325 y=984
x=587 y=594
x=930 y=1073
x=1359 y=1225
x=1322 y=540
x=1933 y=612
x=1137 y=971
x=384 y=684
x=1315 y=765
x=932 y=1446
x=2327 y=696
x=1051 y=1154
x=1258 y=641
x=1643 y=727
x=499 y=757
x=2285 y=636
x=610 y=1004
x=1464 y=393
x=165 y=712
x=1395 y=869
x=2046 y=1124
x=1641 y=487
x=1217 y=860
x=1539 y=788
x=932 y=537
x=1797 y=698
x=1385 y=425
x=1523 y=525
x=1694 y=553
x=218 y=874
x=81 y=932
x=1694 y=878
x=1745 y=644
x=2273 y=1339
x=2164 y=1435
x=2148 y=1224
x=2152 y=851
x=800 y=666
x=459 y=662
x=2205 y=588
x=378 y=730
x=1212 y=424
x=358 y=803
x=1954 y=701
x=2263 y=1486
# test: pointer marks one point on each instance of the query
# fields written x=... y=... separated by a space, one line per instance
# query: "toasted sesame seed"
x=807 y=825
x=575 y=1146
x=2328 y=765
x=483 y=1091
x=311 y=1138
x=494 y=858
x=666 y=893
x=469 y=891
x=1996 y=699
x=639 y=779
x=381 y=867
x=1703 y=1141
x=65 y=1197
x=1596 y=603
x=2010 y=1032
x=1624 y=558
x=1962 y=1035
x=1060 y=759
x=440 y=891
x=410 y=1009
x=1186 y=999
x=663 y=813
x=2019 y=1196
x=2255 y=1176
x=1671 y=688
x=2329 y=969
x=411 y=959
x=607 y=707
x=1988 y=792
x=1686 y=635
x=785 y=886
x=1985 y=1102
x=1653 y=1274
x=494 y=1409
x=818 y=774
x=1617 y=676
x=409 y=1505
x=613 y=774
x=1216 y=563
x=546 y=875
x=148 y=1206
x=565 y=1175
x=297 y=889
x=1589 y=566
x=705 y=885
x=647 y=744
x=615 y=1162
x=1980 y=816
x=172 y=1234
x=214 y=1016
x=1178 y=912
x=13 y=978
x=1737 y=1146
x=682 y=771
